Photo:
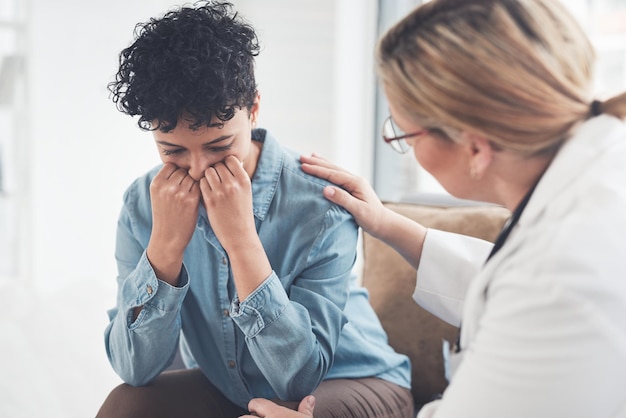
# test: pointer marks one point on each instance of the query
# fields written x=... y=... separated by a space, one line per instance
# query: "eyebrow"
x=215 y=141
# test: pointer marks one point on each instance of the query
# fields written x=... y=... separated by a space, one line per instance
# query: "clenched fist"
x=175 y=199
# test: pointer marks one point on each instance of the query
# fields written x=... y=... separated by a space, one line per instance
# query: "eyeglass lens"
x=391 y=131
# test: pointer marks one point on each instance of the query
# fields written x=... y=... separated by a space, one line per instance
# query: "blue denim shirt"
x=306 y=322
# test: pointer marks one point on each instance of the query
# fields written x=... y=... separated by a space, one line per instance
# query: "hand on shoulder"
x=353 y=193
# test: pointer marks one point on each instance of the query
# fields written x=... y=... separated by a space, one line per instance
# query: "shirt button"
x=224 y=260
x=231 y=364
x=226 y=313
x=149 y=289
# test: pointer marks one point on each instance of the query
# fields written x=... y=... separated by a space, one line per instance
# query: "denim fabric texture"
x=307 y=322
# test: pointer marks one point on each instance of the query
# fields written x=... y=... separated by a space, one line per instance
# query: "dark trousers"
x=189 y=394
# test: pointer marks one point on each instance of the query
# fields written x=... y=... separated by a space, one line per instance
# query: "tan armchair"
x=388 y=277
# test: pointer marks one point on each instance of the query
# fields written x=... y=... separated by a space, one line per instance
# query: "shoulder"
x=297 y=181
x=292 y=167
x=286 y=160
x=137 y=194
x=293 y=188
x=573 y=248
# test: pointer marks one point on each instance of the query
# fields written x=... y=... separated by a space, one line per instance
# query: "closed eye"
x=172 y=151
x=222 y=148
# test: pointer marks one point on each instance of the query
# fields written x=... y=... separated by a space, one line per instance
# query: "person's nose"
x=197 y=165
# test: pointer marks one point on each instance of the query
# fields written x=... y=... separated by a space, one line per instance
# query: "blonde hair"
x=518 y=72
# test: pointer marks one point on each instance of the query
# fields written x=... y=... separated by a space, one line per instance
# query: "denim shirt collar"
x=267 y=173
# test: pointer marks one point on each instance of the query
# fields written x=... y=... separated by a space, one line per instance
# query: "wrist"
x=167 y=265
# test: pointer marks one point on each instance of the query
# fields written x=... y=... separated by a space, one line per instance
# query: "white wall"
x=313 y=73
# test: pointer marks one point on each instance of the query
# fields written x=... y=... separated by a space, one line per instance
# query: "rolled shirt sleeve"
x=293 y=337
x=139 y=350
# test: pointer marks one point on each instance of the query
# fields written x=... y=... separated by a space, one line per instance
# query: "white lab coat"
x=544 y=321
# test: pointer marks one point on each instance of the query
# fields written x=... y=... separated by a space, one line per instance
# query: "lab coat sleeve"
x=542 y=351
x=449 y=261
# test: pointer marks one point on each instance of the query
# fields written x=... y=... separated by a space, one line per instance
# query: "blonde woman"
x=494 y=99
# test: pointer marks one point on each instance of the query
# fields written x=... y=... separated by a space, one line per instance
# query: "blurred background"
x=67 y=155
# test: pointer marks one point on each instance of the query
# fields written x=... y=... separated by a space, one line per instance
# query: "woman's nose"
x=197 y=165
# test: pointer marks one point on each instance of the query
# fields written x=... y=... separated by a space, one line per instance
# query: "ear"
x=480 y=154
x=254 y=110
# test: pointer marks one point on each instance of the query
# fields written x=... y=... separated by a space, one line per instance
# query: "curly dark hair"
x=196 y=61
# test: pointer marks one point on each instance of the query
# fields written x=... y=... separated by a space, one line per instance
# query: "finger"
x=178 y=176
x=167 y=170
x=342 y=198
x=175 y=171
x=261 y=407
x=307 y=405
x=169 y=167
x=235 y=166
x=339 y=177
x=195 y=186
x=212 y=177
x=319 y=157
x=205 y=188
x=225 y=173
x=188 y=182
x=317 y=160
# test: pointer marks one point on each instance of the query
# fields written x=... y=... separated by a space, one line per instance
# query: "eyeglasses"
x=396 y=137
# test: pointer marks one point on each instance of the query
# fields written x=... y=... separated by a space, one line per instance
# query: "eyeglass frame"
x=400 y=147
